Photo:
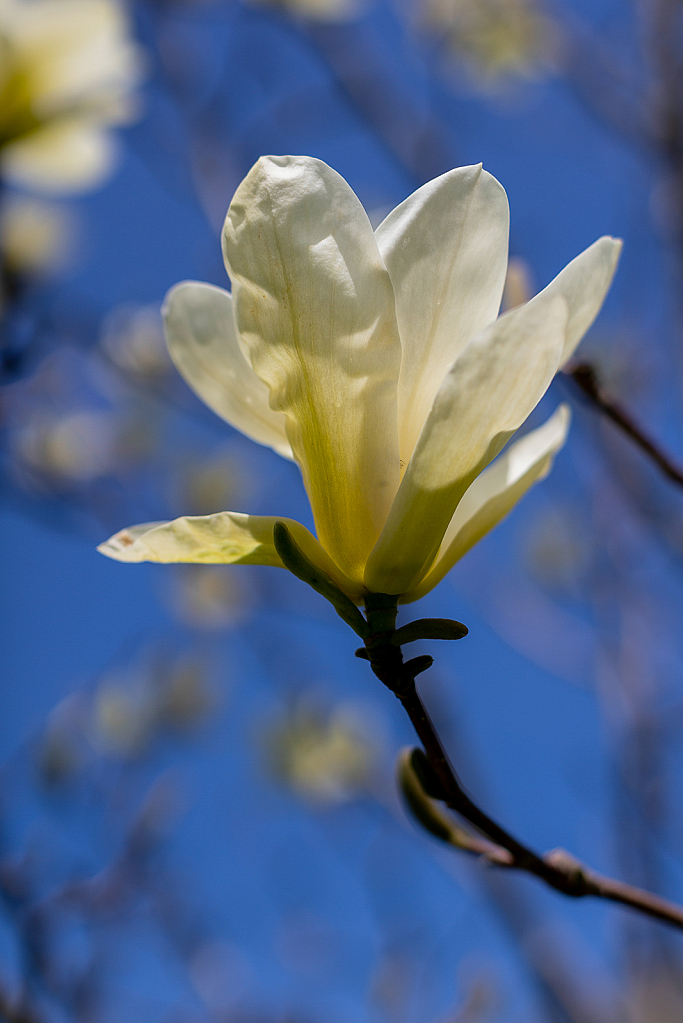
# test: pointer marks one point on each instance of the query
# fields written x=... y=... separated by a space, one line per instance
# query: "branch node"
x=578 y=879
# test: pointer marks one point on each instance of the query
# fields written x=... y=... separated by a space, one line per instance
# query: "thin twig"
x=587 y=379
x=559 y=869
x=15 y=1013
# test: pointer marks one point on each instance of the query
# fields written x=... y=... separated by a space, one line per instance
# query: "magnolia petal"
x=226 y=538
x=62 y=156
x=584 y=283
x=486 y=396
x=314 y=307
x=203 y=343
x=495 y=493
x=445 y=248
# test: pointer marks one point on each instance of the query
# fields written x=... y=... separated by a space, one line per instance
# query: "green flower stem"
x=559 y=869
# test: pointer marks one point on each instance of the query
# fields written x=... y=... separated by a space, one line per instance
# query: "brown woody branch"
x=586 y=377
x=558 y=869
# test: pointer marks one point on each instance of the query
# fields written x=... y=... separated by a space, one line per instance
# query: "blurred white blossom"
x=62 y=752
x=559 y=552
x=211 y=484
x=132 y=337
x=210 y=597
x=221 y=975
x=130 y=708
x=184 y=697
x=78 y=446
x=319 y=10
x=123 y=715
x=35 y=236
x=498 y=38
x=519 y=287
x=327 y=758
x=73 y=424
x=67 y=71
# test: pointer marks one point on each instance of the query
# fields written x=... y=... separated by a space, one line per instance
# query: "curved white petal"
x=486 y=396
x=203 y=343
x=314 y=308
x=445 y=248
x=584 y=283
x=226 y=538
x=495 y=493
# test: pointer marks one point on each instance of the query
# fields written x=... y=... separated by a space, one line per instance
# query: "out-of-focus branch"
x=586 y=377
x=603 y=83
x=12 y=1013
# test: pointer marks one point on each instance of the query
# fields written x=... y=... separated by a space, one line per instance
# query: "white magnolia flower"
x=67 y=68
x=376 y=362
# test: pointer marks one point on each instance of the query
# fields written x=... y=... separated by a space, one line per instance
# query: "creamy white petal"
x=495 y=493
x=584 y=283
x=314 y=308
x=486 y=396
x=226 y=538
x=203 y=343
x=445 y=248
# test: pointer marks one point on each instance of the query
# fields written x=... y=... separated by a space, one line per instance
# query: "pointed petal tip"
x=121 y=546
x=584 y=282
x=615 y=243
x=612 y=247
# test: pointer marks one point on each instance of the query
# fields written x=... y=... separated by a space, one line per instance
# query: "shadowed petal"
x=226 y=538
x=445 y=248
x=495 y=493
x=202 y=340
x=314 y=307
x=489 y=392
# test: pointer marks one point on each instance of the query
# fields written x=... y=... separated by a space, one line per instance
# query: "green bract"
x=375 y=360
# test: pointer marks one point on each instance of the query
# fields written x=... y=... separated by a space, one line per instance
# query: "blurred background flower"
x=325 y=756
x=67 y=73
x=36 y=236
x=132 y=336
x=498 y=39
